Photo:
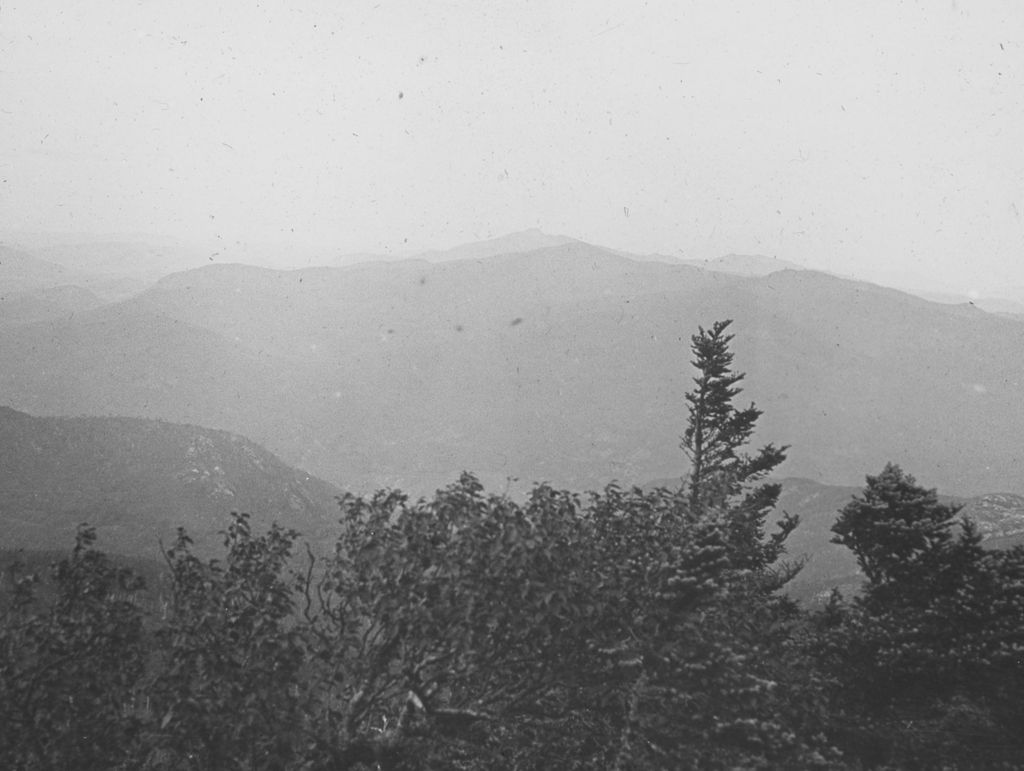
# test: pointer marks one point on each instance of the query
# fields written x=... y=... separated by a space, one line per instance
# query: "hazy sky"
x=860 y=137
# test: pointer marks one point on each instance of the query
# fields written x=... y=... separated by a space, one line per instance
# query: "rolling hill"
x=45 y=303
x=110 y=268
x=24 y=272
x=137 y=480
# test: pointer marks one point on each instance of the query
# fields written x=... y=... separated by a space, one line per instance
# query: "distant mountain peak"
x=517 y=242
x=746 y=264
x=520 y=241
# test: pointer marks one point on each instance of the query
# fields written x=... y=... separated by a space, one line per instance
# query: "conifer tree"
x=723 y=478
x=902 y=536
x=699 y=700
x=934 y=639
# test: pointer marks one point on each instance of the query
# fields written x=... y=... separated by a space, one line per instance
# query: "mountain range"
x=567 y=363
x=108 y=269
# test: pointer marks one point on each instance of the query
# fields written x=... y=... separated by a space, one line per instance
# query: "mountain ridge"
x=746 y=264
x=565 y=364
x=137 y=480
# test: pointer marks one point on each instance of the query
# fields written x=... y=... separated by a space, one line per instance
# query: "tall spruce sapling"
x=723 y=479
x=715 y=684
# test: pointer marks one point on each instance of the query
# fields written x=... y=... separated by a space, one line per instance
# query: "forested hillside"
x=136 y=481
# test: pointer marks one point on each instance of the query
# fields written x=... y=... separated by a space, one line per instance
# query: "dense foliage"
x=623 y=629
x=931 y=655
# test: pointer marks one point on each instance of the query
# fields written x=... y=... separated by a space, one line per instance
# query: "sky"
x=874 y=138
